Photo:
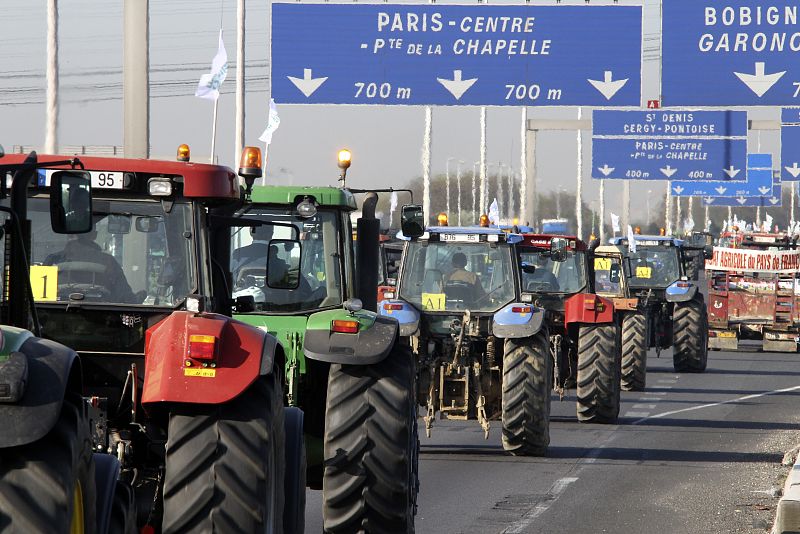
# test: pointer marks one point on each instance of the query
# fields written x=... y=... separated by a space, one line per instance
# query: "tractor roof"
x=649 y=240
x=434 y=233
x=200 y=180
x=543 y=241
x=288 y=194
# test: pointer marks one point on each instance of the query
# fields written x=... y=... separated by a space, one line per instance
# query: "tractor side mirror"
x=148 y=224
x=708 y=252
x=558 y=249
x=412 y=221
x=119 y=224
x=71 y=202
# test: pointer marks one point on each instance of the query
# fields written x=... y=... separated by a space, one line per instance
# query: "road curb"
x=787 y=519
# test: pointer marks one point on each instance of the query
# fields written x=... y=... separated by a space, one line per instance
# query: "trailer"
x=753 y=292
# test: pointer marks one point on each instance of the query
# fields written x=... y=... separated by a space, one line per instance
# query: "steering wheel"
x=81 y=277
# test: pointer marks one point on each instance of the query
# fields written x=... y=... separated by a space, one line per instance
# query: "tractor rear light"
x=392 y=306
x=388 y=294
x=521 y=309
x=344 y=327
x=589 y=303
x=202 y=347
x=682 y=284
x=526 y=297
x=711 y=333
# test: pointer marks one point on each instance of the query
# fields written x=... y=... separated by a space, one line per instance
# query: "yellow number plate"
x=205 y=373
x=44 y=282
x=433 y=301
x=644 y=272
x=602 y=264
x=726 y=334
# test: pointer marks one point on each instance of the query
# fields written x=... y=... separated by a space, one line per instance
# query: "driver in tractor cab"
x=81 y=249
x=461 y=277
x=542 y=277
x=255 y=251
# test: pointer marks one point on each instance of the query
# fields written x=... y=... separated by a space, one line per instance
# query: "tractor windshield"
x=550 y=276
x=654 y=267
x=135 y=254
x=320 y=283
x=442 y=277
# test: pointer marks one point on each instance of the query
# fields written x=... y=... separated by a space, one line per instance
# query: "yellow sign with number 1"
x=44 y=282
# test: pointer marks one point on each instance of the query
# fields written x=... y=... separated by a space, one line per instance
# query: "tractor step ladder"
x=784 y=298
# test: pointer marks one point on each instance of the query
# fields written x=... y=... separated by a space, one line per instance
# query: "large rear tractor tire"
x=690 y=336
x=634 y=351
x=225 y=463
x=527 y=374
x=370 y=479
x=49 y=485
x=598 y=373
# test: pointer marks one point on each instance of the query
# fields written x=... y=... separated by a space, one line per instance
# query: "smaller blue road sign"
x=773 y=201
x=669 y=145
x=759 y=183
x=790 y=144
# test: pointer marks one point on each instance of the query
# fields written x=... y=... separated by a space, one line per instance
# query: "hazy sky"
x=386 y=141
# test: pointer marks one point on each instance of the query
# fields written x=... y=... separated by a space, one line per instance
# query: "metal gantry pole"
x=523 y=167
x=484 y=190
x=626 y=205
x=447 y=185
x=500 y=190
x=668 y=210
x=426 y=164
x=602 y=211
x=240 y=76
x=791 y=203
x=475 y=214
x=579 y=186
x=51 y=129
x=136 y=79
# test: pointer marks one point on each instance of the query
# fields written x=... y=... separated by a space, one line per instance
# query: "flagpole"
x=214 y=130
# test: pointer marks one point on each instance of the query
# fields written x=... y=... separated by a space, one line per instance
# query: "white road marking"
x=644 y=406
x=711 y=405
x=636 y=414
x=660 y=393
x=650 y=399
x=667 y=381
x=555 y=492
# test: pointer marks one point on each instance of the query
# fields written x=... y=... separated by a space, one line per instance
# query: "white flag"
x=392 y=206
x=615 y=223
x=768 y=222
x=724 y=227
x=272 y=123
x=494 y=213
x=210 y=83
x=631 y=240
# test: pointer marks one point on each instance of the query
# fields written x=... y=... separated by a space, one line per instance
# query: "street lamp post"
x=447 y=203
x=458 y=187
x=649 y=194
x=474 y=191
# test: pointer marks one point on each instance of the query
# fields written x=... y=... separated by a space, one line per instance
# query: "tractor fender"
x=370 y=345
x=588 y=308
x=407 y=315
x=242 y=353
x=511 y=324
x=52 y=370
x=681 y=291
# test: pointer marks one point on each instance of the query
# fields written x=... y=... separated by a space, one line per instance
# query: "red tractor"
x=583 y=328
x=170 y=415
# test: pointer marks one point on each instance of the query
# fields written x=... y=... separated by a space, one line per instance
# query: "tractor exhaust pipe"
x=368 y=228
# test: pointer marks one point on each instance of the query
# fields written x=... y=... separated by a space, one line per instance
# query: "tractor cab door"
x=607 y=275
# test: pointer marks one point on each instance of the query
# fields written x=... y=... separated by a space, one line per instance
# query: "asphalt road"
x=694 y=453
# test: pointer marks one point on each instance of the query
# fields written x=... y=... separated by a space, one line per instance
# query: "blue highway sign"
x=790 y=144
x=655 y=124
x=759 y=183
x=773 y=201
x=669 y=145
x=730 y=53
x=456 y=55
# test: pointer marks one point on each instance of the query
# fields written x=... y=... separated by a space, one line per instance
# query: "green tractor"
x=296 y=276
